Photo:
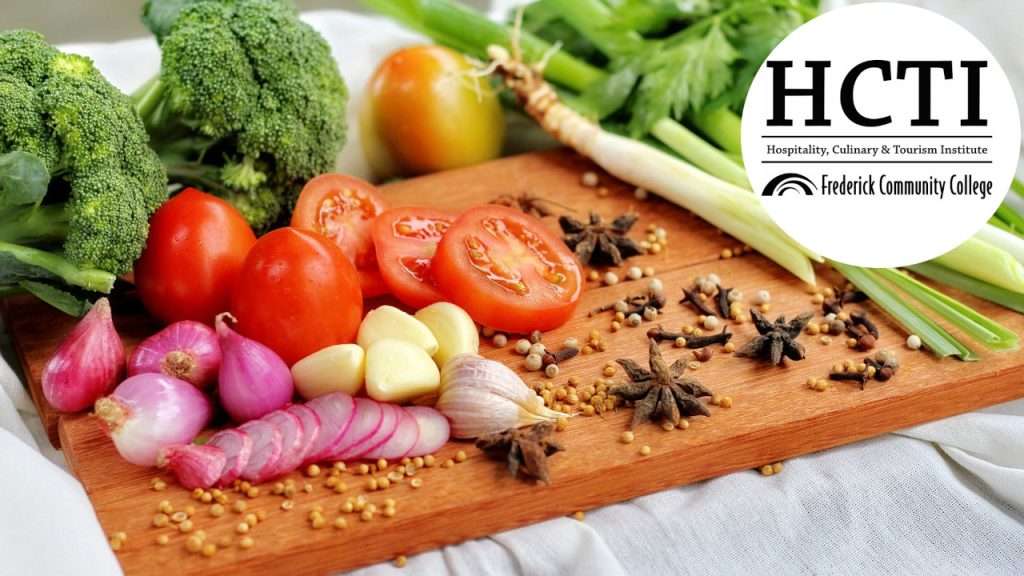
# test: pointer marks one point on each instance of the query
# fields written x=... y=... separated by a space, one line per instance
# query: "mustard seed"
x=416 y=482
x=185 y=527
x=160 y=520
x=242 y=528
x=401 y=561
x=163 y=539
x=246 y=543
x=252 y=492
x=193 y=544
x=767 y=470
x=579 y=515
x=313 y=471
x=777 y=468
x=340 y=523
x=645 y=450
x=216 y=510
x=287 y=505
x=209 y=549
x=460 y=456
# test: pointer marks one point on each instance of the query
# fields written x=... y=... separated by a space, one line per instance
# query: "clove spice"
x=723 y=302
x=659 y=334
x=690 y=297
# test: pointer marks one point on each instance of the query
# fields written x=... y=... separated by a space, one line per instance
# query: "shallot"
x=194 y=466
x=253 y=380
x=149 y=412
x=187 y=350
x=88 y=363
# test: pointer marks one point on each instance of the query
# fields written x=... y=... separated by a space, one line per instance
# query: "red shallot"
x=237 y=447
x=149 y=412
x=88 y=363
x=253 y=380
x=194 y=466
x=187 y=350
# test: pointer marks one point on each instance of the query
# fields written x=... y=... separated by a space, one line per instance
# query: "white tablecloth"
x=944 y=498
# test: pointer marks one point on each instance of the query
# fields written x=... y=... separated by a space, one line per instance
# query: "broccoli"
x=78 y=181
x=248 y=104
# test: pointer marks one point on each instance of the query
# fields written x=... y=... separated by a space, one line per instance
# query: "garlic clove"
x=388 y=322
x=339 y=368
x=397 y=370
x=455 y=331
x=481 y=396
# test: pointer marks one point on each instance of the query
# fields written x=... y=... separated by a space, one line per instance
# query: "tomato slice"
x=508 y=270
x=406 y=239
x=372 y=283
x=343 y=208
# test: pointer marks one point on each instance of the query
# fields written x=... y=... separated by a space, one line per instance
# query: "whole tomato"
x=297 y=294
x=425 y=112
x=197 y=243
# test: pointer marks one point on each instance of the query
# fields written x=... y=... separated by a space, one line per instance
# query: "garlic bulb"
x=481 y=396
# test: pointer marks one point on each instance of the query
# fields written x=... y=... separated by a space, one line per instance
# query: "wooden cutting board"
x=774 y=416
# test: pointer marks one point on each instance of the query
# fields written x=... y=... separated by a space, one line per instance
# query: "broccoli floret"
x=100 y=180
x=249 y=103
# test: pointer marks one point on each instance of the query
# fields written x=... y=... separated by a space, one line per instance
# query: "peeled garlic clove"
x=390 y=322
x=454 y=330
x=397 y=370
x=338 y=368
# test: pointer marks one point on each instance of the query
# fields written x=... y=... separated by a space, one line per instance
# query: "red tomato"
x=508 y=270
x=297 y=294
x=343 y=208
x=406 y=240
x=197 y=243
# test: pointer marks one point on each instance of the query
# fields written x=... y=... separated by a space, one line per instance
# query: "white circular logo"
x=881 y=135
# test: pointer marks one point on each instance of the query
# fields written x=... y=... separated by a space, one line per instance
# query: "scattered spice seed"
x=216 y=510
x=460 y=456
x=627 y=437
x=659 y=334
x=767 y=470
x=499 y=340
x=645 y=450
x=400 y=561
x=589 y=179
x=579 y=515
x=160 y=520
x=209 y=549
x=287 y=505
x=163 y=539
x=914 y=342
x=185 y=527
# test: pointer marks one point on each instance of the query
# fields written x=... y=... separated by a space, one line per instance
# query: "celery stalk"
x=976 y=325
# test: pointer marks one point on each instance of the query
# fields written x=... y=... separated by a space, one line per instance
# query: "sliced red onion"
x=292 y=441
x=369 y=416
x=434 y=430
x=87 y=364
x=401 y=442
x=253 y=380
x=187 y=350
x=266 y=450
x=149 y=412
x=194 y=466
x=337 y=412
x=389 y=423
x=237 y=447
x=310 y=427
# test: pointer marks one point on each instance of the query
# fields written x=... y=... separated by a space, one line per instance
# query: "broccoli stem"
x=33 y=224
x=56 y=265
x=148 y=98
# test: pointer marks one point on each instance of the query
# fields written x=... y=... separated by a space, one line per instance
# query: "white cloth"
x=943 y=498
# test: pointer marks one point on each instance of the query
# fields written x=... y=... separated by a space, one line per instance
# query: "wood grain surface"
x=774 y=416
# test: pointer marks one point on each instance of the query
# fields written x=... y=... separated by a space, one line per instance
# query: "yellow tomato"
x=424 y=112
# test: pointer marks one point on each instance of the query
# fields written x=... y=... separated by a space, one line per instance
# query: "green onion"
x=935 y=337
x=697 y=150
x=976 y=325
x=984 y=290
x=984 y=261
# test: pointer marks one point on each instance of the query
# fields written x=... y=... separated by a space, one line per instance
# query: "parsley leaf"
x=682 y=78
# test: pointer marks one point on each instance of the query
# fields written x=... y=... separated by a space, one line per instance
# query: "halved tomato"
x=343 y=208
x=508 y=270
x=406 y=240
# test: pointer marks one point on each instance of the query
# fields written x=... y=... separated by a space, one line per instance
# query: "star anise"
x=776 y=339
x=532 y=205
x=598 y=243
x=661 y=393
x=526 y=450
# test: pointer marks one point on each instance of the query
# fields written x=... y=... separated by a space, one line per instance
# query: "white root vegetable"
x=722 y=204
